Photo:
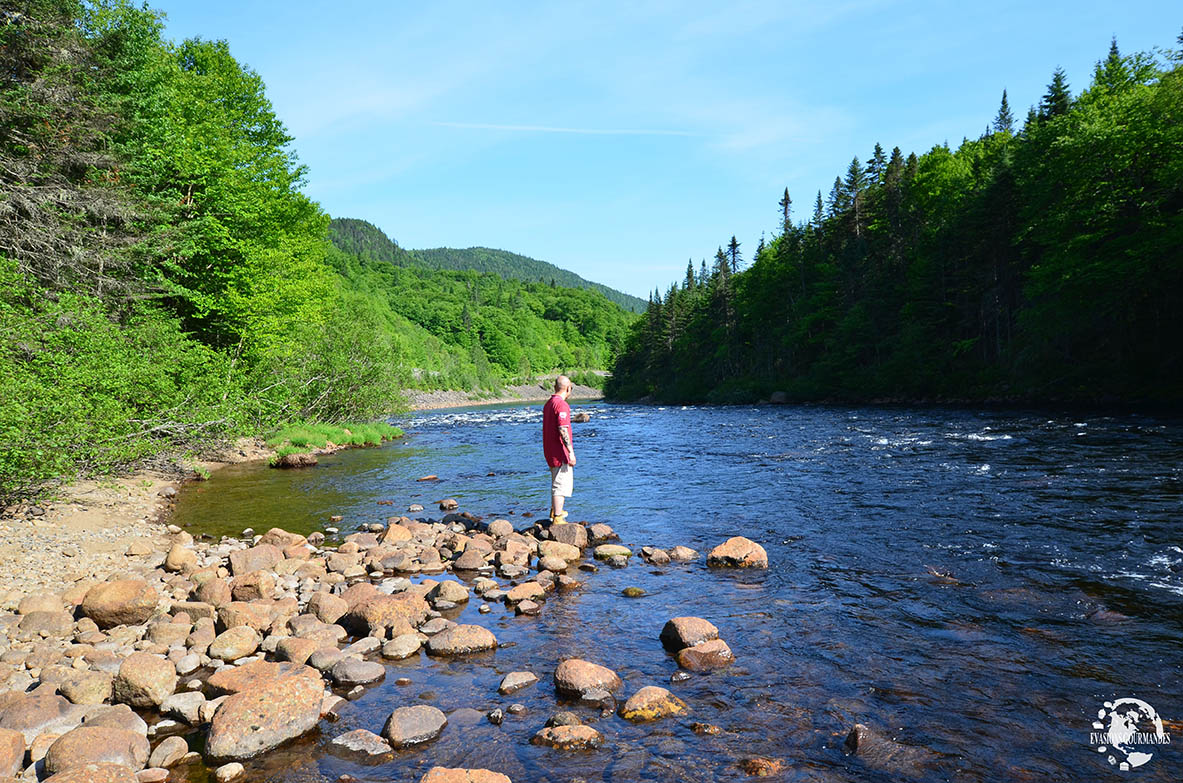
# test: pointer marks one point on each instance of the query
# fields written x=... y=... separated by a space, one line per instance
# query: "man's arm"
x=565 y=437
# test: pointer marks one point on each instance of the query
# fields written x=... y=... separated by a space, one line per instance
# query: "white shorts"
x=562 y=480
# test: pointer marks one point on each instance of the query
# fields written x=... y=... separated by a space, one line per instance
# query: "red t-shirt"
x=556 y=413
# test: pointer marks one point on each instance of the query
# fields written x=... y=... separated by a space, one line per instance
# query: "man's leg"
x=556 y=506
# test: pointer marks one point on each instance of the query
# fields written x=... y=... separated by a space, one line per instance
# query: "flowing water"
x=977 y=584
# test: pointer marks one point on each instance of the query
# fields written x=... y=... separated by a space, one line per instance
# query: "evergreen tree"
x=786 y=205
x=689 y=285
x=703 y=277
x=1058 y=98
x=877 y=165
x=1004 y=121
x=818 y=213
x=1113 y=73
x=733 y=255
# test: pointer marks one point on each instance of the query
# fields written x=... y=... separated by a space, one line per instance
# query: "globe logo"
x=1128 y=731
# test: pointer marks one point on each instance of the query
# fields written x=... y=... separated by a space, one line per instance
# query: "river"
x=974 y=583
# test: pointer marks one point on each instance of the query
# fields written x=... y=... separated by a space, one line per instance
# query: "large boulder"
x=681 y=632
x=460 y=640
x=180 y=558
x=96 y=773
x=651 y=703
x=414 y=725
x=455 y=775
x=144 y=680
x=449 y=591
x=235 y=643
x=567 y=552
x=41 y=713
x=327 y=607
x=243 y=561
x=12 y=753
x=121 y=602
x=738 y=552
x=713 y=654
x=569 y=533
x=385 y=615
x=87 y=687
x=94 y=745
x=256 y=721
x=257 y=675
x=348 y=672
x=37 y=624
x=278 y=537
x=575 y=677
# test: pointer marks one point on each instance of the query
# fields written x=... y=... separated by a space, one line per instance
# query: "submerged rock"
x=458 y=775
x=361 y=745
x=884 y=753
x=414 y=725
x=569 y=738
x=761 y=766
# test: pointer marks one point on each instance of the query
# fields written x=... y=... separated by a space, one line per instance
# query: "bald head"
x=562 y=385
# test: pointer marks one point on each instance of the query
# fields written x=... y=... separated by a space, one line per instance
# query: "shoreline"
x=419 y=400
x=92 y=527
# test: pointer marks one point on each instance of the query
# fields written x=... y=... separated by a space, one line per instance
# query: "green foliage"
x=301 y=437
x=1039 y=265
x=367 y=241
x=165 y=283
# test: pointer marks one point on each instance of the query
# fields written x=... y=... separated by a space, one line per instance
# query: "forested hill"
x=366 y=240
x=513 y=266
x=1040 y=261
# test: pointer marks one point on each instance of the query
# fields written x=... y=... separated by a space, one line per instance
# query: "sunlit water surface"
x=1060 y=536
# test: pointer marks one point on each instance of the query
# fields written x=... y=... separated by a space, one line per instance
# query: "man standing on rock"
x=557 y=448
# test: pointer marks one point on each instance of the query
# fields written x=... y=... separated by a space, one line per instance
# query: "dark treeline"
x=1040 y=261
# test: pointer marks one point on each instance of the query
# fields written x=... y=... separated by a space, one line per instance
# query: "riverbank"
x=418 y=400
x=96 y=526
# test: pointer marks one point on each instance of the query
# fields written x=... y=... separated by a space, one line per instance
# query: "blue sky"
x=619 y=139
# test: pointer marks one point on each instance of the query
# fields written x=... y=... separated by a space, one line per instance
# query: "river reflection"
x=973 y=583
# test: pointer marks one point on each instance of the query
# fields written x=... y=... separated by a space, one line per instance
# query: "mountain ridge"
x=362 y=238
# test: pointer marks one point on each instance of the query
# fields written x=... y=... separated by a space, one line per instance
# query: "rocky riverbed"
x=239 y=646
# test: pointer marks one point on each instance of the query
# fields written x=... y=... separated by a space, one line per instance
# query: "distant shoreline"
x=435 y=400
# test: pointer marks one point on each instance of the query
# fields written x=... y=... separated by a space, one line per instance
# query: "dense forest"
x=165 y=282
x=1040 y=261
x=490 y=327
x=367 y=241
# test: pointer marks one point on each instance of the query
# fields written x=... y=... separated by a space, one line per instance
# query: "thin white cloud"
x=553 y=129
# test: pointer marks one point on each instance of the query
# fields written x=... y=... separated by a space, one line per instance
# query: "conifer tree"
x=702 y=273
x=877 y=165
x=786 y=205
x=1112 y=73
x=1058 y=98
x=1004 y=122
x=818 y=213
x=689 y=285
x=733 y=255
